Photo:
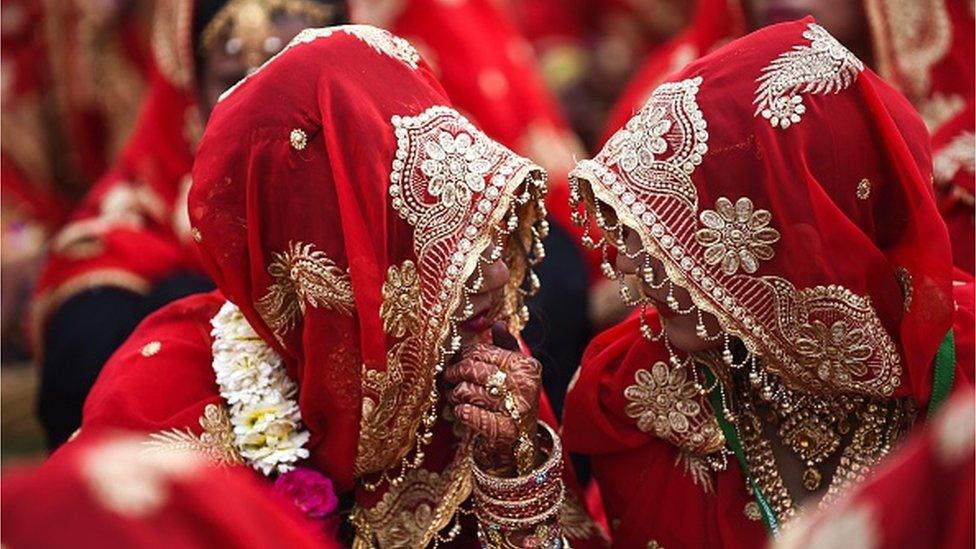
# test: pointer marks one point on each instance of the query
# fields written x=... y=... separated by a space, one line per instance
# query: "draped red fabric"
x=341 y=204
x=923 y=496
x=858 y=243
x=110 y=488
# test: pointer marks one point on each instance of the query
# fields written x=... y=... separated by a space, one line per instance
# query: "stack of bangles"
x=522 y=511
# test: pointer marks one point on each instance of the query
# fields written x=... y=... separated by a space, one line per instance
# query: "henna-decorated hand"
x=483 y=410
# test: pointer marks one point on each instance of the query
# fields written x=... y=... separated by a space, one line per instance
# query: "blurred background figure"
x=73 y=77
x=127 y=249
x=111 y=491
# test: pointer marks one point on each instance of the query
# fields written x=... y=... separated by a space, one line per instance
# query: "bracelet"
x=525 y=506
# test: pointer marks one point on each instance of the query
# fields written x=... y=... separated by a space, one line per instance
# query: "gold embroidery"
x=196 y=234
x=575 y=521
x=904 y=277
x=910 y=39
x=652 y=544
x=171 y=41
x=150 y=349
x=216 y=442
x=863 y=189
x=959 y=154
x=301 y=274
x=698 y=469
x=666 y=403
x=939 y=108
x=825 y=66
x=298 y=139
x=401 y=297
x=736 y=235
x=659 y=148
x=837 y=351
x=412 y=513
x=751 y=511
x=450 y=233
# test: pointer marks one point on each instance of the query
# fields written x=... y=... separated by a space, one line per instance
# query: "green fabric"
x=945 y=373
x=732 y=439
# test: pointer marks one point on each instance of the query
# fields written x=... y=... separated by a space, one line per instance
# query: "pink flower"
x=310 y=490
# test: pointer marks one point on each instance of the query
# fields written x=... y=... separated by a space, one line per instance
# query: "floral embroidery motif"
x=659 y=148
x=298 y=139
x=150 y=349
x=441 y=161
x=825 y=66
x=263 y=410
x=665 y=402
x=863 y=189
x=216 y=442
x=736 y=236
x=303 y=275
x=401 y=297
x=839 y=340
x=456 y=167
x=751 y=511
x=837 y=351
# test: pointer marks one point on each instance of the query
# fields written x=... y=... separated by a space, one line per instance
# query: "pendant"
x=811 y=479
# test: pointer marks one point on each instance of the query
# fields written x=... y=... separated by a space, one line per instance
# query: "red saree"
x=340 y=205
x=726 y=150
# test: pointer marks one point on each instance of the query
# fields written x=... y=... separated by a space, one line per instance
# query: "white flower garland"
x=268 y=430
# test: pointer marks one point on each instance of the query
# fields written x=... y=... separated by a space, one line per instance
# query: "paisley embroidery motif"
x=303 y=276
x=838 y=338
x=736 y=236
x=216 y=442
x=659 y=148
x=825 y=66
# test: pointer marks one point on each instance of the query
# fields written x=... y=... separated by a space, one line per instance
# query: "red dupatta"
x=726 y=150
x=360 y=294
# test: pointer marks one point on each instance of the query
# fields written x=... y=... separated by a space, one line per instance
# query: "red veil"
x=341 y=203
x=737 y=176
x=927 y=49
